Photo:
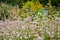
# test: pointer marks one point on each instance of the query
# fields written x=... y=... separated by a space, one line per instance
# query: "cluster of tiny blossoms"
x=28 y=29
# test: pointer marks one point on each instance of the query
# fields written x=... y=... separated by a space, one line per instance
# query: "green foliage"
x=20 y=2
x=47 y=36
x=4 y=11
x=31 y=9
x=55 y=2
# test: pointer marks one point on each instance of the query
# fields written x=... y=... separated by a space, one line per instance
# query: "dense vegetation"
x=25 y=5
x=20 y=2
x=29 y=20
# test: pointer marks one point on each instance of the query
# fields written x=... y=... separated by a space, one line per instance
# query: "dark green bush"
x=20 y=2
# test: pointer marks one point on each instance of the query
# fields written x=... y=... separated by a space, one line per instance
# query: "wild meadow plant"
x=30 y=23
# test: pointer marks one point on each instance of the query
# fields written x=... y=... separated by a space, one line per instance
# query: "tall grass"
x=29 y=23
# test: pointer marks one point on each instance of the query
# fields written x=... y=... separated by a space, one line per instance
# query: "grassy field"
x=29 y=23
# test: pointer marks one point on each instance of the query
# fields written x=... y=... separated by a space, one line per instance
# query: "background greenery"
x=29 y=20
x=20 y=2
